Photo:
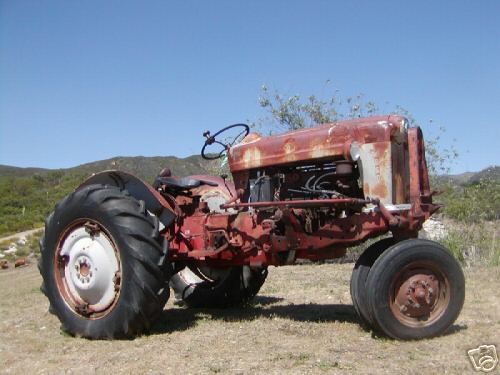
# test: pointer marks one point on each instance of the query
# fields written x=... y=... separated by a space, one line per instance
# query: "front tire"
x=208 y=287
x=102 y=263
x=359 y=294
x=416 y=290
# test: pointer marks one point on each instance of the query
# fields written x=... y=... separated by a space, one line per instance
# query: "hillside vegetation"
x=472 y=211
x=28 y=195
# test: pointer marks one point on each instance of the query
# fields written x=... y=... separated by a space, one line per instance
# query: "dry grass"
x=474 y=244
x=302 y=323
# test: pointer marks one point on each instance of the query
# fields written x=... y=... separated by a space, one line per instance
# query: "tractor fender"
x=138 y=189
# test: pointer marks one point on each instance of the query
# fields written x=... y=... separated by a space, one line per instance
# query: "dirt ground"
x=302 y=322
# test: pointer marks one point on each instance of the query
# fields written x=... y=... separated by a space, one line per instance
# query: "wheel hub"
x=417 y=295
x=88 y=266
x=83 y=266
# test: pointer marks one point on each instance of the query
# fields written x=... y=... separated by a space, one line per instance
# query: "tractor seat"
x=182 y=183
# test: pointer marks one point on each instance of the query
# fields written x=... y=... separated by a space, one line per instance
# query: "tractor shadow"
x=179 y=319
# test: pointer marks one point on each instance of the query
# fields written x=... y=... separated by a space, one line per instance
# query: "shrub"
x=473 y=244
x=472 y=203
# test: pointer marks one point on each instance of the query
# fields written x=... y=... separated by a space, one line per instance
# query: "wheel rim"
x=419 y=294
x=87 y=267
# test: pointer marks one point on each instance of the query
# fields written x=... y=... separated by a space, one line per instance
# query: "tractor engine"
x=306 y=182
x=322 y=180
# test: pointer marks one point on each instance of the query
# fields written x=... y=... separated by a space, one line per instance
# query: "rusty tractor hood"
x=326 y=141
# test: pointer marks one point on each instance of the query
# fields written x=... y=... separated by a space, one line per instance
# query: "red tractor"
x=115 y=246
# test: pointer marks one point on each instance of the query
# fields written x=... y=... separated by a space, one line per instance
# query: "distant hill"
x=467 y=178
x=144 y=167
x=7 y=170
x=492 y=173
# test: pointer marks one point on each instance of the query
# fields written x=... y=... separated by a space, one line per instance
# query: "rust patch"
x=251 y=156
x=379 y=190
x=289 y=150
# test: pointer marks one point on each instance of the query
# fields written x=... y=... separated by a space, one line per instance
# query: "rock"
x=433 y=229
x=11 y=250
x=4 y=264
x=20 y=262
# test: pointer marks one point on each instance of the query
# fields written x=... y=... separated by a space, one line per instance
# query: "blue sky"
x=88 y=80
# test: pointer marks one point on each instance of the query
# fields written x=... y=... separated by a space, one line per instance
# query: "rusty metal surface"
x=299 y=203
x=323 y=141
x=250 y=240
x=415 y=190
x=376 y=170
x=421 y=294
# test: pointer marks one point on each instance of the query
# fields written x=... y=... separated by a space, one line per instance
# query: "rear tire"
x=217 y=288
x=416 y=290
x=360 y=274
x=102 y=263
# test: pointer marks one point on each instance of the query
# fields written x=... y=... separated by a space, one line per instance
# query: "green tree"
x=292 y=112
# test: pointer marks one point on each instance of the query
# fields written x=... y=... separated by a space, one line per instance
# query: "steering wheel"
x=210 y=139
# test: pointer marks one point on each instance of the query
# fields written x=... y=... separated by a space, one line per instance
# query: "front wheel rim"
x=419 y=294
x=88 y=269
